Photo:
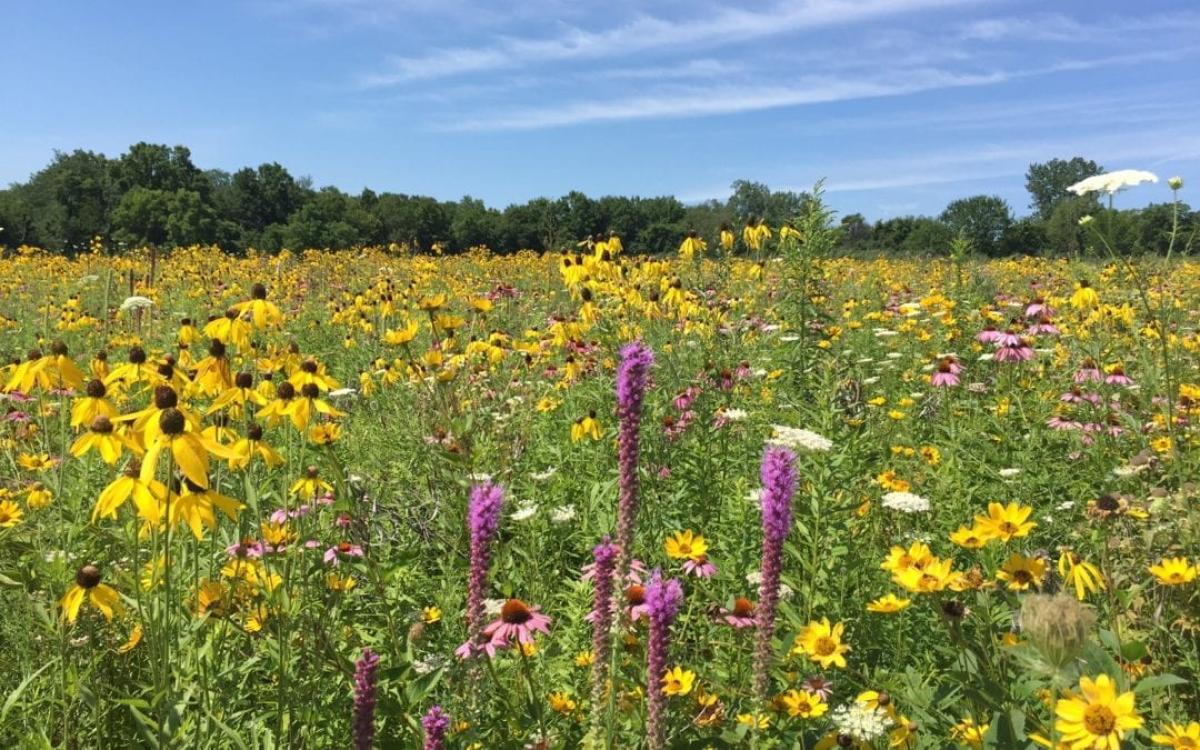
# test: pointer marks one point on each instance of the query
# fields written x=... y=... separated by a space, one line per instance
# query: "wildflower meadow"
x=754 y=493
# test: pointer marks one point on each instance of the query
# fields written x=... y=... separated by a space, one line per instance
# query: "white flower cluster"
x=861 y=722
x=136 y=303
x=735 y=415
x=905 y=502
x=525 y=510
x=563 y=514
x=799 y=439
x=1111 y=182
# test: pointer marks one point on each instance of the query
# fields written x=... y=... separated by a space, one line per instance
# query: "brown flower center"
x=743 y=607
x=635 y=595
x=1099 y=720
x=515 y=612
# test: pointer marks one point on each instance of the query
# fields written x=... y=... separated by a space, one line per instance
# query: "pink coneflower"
x=1044 y=327
x=945 y=375
x=989 y=335
x=699 y=567
x=344 y=550
x=1037 y=308
x=1117 y=376
x=742 y=614
x=819 y=685
x=342 y=521
x=1008 y=338
x=1077 y=396
x=1058 y=423
x=1088 y=372
x=246 y=548
x=685 y=399
x=518 y=621
x=635 y=602
x=19 y=417
x=1021 y=351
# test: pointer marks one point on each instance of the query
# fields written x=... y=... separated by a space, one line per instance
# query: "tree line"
x=154 y=194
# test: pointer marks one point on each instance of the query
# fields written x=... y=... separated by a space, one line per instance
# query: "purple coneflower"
x=779 y=484
x=343 y=550
x=1116 y=376
x=662 y=606
x=517 y=621
x=699 y=567
x=741 y=615
x=436 y=723
x=632 y=376
x=483 y=521
x=1043 y=327
x=364 y=700
x=1021 y=351
x=1037 y=308
x=989 y=335
x=1088 y=372
x=946 y=374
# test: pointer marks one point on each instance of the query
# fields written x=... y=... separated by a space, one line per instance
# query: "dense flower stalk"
x=778 y=486
x=632 y=376
x=605 y=555
x=483 y=520
x=662 y=605
x=364 y=700
x=435 y=723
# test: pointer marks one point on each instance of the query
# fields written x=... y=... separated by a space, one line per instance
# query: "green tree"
x=159 y=167
x=1063 y=232
x=72 y=199
x=981 y=218
x=1047 y=182
x=141 y=217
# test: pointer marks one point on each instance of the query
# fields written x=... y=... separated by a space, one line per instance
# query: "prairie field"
x=771 y=498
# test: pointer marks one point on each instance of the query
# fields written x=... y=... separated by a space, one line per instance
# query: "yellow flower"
x=969 y=538
x=1006 y=522
x=888 y=605
x=678 y=681
x=1179 y=736
x=1021 y=572
x=325 y=433
x=561 y=702
x=931 y=455
x=37 y=496
x=1084 y=297
x=936 y=575
x=340 y=583
x=36 y=461
x=585 y=427
x=547 y=404
x=822 y=643
x=969 y=733
x=762 y=720
x=1174 y=571
x=10 y=514
x=1098 y=717
x=135 y=637
x=585 y=659
x=148 y=496
x=1083 y=575
x=430 y=615
x=683 y=545
x=892 y=483
x=804 y=704
x=88 y=587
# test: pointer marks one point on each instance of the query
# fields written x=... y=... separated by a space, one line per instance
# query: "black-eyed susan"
x=262 y=312
x=148 y=496
x=803 y=704
x=105 y=440
x=89 y=587
x=1021 y=573
x=888 y=604
x=678 y=681
x=94 y=403
x=307 y=486
x=196 y=508
x=1084 y=576
x=190 y=451
x=585 y=427
x=1006 y=522
x=1179 y=736
x=10 y=514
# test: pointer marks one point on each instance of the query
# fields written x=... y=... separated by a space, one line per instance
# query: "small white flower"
x=894 y=355
x=861 y=722
x=1066 y=505
x=563 y=514
x=987 y=357
x=342 y=392
x=905 y=502
x=735 y=415
x=754 y=496
x=1007 y=473
x=136 y=303
x=541 y=476
x=789 y=338
x=480 y=477
x=492 y=607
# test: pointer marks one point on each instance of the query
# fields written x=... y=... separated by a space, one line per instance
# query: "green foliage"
x=981 y=218
x=1047 y=182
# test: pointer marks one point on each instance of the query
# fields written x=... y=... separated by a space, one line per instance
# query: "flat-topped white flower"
x=563 y=514
x=541 y=476
x=799 y=439
x=905 y=502
x=1111 y=182
x=137 y=303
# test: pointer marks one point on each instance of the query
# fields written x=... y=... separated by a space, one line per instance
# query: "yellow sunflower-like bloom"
x=88 y=587
x=1097 y=718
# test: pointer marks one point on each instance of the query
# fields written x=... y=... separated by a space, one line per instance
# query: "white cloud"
x=646 y=32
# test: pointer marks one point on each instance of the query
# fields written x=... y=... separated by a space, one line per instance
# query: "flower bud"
x=1057 y=625
x=1175 y=182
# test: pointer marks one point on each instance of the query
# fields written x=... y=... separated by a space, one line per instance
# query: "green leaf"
x=1157 y=682
x=15 y=695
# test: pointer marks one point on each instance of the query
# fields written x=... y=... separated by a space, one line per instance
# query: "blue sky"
x=902 y=105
